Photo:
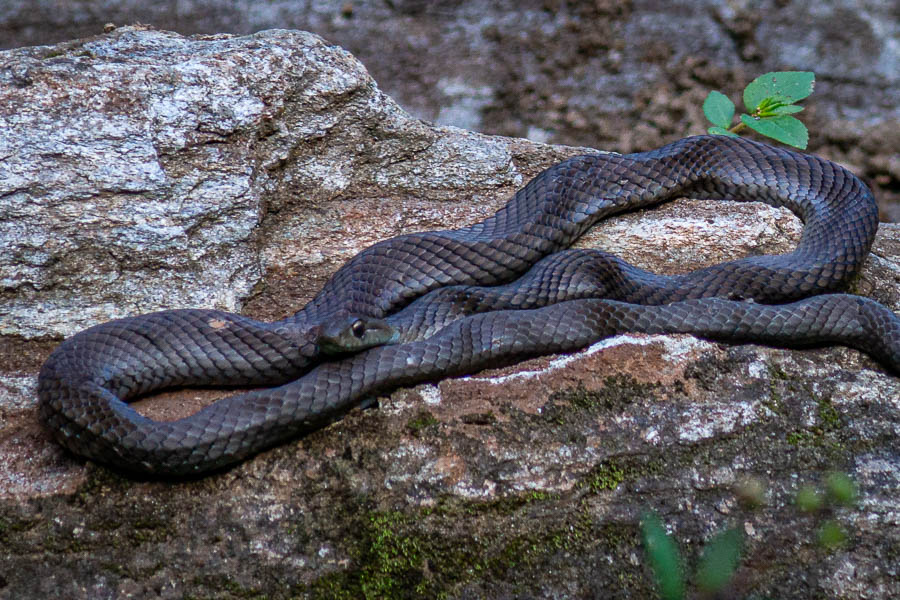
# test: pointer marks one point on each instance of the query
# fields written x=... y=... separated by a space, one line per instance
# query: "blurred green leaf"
x=751 y=491
x=832 y=535
x=784 y=86
x=664 y=558
x=719 y=560
x=808 y=499
x=841 y=489
x=718 y=109
x=783 y=128
x=721 y=131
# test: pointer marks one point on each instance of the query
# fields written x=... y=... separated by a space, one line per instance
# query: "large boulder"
x=142 y=170
x=612 y=74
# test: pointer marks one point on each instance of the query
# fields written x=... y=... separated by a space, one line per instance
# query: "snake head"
x=350 y=334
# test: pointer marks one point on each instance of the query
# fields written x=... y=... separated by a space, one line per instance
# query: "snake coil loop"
x=371 y=302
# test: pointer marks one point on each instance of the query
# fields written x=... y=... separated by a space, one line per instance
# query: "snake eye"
x=358 y=328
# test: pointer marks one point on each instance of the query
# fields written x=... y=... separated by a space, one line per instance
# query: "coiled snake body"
x=421 y=306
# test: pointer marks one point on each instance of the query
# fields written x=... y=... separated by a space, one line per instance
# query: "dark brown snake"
x=381 y=304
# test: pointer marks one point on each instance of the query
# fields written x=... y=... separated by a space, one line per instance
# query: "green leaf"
x=721 y=131
x=832 y=535
x=718 y=109
x=664 y=558
x=784 y=128
x=719 y=560
x=786 y=87
x=786 y=109
x=841 y=489
x=808 y=499
x=751 y=491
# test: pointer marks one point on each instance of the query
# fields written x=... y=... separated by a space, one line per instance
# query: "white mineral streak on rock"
x=566 y=359
x=715 y=420
x=431 y=394
x=674 y=347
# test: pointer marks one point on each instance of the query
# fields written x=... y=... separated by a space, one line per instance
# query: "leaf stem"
x=737 y=127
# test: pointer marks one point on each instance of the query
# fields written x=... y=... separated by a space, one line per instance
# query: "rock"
x=612 y=74
x=144 y=170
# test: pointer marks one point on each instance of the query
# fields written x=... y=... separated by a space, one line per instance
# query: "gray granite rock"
x=615 y=74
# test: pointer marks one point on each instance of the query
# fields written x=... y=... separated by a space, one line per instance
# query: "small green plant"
x=718 y=561
x=721 y=556
x=770 y=100
x=840 y=491
x=832 y=535
x=808 y=499
x=664 y=558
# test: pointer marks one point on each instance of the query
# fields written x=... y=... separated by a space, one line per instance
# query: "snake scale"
x=423 y=306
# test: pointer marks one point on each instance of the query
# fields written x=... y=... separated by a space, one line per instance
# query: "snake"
x=423 y=306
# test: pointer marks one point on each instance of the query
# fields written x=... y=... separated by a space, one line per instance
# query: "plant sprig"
x=771 y=100
x=717 y=564
x=721 y=556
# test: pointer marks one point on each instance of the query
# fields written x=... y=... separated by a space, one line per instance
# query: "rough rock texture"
x=143 y=170
x=623 y=75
